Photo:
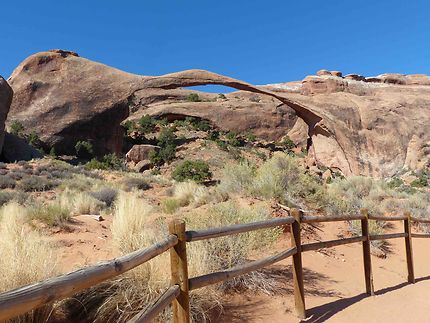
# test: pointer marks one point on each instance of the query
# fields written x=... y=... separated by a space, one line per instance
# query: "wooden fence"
x=19 y=301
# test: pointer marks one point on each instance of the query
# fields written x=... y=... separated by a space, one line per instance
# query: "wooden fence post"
x=408 y=244
x=179 y=273
x=299 y=292
x=367 y=260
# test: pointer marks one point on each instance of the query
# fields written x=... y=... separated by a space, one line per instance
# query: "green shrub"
x=198 y=124
x=84 y=149
x=108 y=162
x=213 y=135
x=193 y=97
x=250 y=137
x=237 y=178
x=129 y=127
x=288 y=143
x=221 y=144
x=146 y=124
x=421 y=181
x=167 y=151
x=16 y=128
x=233 y=139
x=395 y=183
x=52 y=215
x=195 y=170
x=33 y=139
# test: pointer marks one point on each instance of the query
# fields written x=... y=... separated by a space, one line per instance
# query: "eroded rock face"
x=6 y=94
x=364 y=126
x=368 y=128
x=65 y=98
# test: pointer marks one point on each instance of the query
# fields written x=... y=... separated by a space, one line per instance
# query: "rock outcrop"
x=372 y=128
x=360 y=125
x=6 y=94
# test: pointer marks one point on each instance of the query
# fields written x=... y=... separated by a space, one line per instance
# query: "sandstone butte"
x=373 y=126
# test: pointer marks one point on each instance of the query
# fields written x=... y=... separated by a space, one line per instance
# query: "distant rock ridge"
x=360 y=125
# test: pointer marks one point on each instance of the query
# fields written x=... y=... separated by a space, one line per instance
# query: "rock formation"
x=5 y=101
x=370 y=126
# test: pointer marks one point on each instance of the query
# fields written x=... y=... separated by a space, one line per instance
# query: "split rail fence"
x=19 y=301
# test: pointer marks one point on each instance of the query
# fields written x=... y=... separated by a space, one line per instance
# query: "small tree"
x=195 y=170
x=84 y=149
x=147 y=124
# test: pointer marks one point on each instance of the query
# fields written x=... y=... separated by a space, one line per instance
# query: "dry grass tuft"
x=25 y=257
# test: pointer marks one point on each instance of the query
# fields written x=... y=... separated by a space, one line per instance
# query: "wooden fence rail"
x=21 y=300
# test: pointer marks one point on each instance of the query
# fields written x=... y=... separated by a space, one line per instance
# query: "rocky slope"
x=370 y=126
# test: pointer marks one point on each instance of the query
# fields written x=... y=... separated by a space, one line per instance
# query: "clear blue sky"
x=256 y=41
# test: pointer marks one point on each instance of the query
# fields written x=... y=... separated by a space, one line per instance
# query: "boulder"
x=16 y=149
x=336 y=73
x=323 y=73
x=354 y=77
x=6 y=94
x=140 y=152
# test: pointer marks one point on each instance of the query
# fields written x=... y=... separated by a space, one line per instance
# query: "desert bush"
x=193 y=97
x=51 y=214
x=106 y=195
x=5 y=197
x=288 y=143
x=134 y=227
x=16 y=174
x=3 y=165
x=167 y=151
x=130 y=183
x=16 y=128
x=237 y=178
x=26 y=258
x=84 y=149
x=282 y=178
x=348 y=196
x=191 y=193
x=35 y=183
x=233 y=139
x=146 y=124
x=195 y=170
x=170 y=205
x=230 y=251
x=107 y=162
x=6 y=181
x=79 y=202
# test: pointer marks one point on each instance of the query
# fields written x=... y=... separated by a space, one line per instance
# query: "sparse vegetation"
x=26 y=257
x=107 y=162
x=16 y=128
x=195 y=170
x=167 y=143
x=84 y=149
x=170 y=205
x=106 y=195
x=193 y=97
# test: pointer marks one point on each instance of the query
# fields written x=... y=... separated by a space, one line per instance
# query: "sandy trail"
x=334 y=286
x=334 y=278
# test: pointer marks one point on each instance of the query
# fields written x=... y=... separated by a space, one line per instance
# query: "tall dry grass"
x=136 y=226
x=25 y=257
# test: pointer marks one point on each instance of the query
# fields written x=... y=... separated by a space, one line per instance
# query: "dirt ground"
x=334 y=278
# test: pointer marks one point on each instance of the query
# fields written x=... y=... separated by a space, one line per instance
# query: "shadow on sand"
x=323 y=312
